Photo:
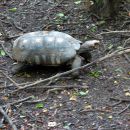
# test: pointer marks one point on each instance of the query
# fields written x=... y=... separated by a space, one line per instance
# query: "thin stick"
x=126 y=108
x=48 y=92
x=113 y=32
x=10 y=79
x=19 y=101
x=123 y=100
x=2 y=30
x=6 y=51
x=55 y=86
x=94 y=110
x=116 y=53
x=8 y=119
x=116 y=104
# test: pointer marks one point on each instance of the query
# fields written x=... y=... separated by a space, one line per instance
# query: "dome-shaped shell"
x=47 y=48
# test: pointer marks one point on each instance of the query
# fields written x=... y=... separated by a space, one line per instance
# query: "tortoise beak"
x=96 y=45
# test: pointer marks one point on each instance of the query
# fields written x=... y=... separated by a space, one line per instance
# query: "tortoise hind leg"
x=77 y=62
x=18 y=67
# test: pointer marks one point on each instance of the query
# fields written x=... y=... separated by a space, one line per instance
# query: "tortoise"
x=51 y=48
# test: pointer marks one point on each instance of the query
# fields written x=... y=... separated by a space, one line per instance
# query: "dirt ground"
x=97 y=100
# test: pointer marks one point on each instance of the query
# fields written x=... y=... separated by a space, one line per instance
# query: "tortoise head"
x=89 y=45
x=86 y=47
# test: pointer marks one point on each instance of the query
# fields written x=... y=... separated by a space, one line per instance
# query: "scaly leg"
x=77 y=62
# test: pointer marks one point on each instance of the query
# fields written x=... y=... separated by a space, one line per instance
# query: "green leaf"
x=95 y=74
x=119 y=70
x=110 y=46
x=39 y=105
x=33 y=97
x=67 y=126
x=2 y=53
x=93 y=28
x=101 y=22
x=60 y=15
x=13 y=9
x=83 y=93
x=77 y=2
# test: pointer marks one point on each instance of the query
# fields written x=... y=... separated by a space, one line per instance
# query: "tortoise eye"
x=22 y=47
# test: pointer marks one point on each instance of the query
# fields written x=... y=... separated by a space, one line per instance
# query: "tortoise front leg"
x=77 y=62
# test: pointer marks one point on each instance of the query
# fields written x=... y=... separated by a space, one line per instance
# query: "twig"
x=124 y=45
x=115 y=53
x=123 y=100
x=15 y=36
x=55 y=86
x=2 y=30
x=127 y=58
x=6 y=51
x=48 y=92
x=16 y=26
x=8 y=119
x=92 y=34
x=128 y=106
x=116 y=104
x=124 y=24
x=12 y=22
x=113 y=32
x=10 y=79
x=3 y=118
x=52 y=81
x=94 y=110
x=19 y=101
x=126 y=41
x=119 y=102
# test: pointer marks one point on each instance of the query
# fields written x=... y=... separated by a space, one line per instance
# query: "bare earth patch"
x=98 y=100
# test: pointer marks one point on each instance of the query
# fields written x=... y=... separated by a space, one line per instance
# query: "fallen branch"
x=113 y=32
x=55 y=86
x=8 y=119
x=115 y=53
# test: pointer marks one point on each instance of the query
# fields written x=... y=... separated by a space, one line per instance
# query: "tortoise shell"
x=45 y=48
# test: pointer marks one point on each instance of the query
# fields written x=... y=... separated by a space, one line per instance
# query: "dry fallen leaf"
x=110 y=117
x=88 y=106
x=127 y=94
x=128 y=73
x=5 y=98
x=73 y=98
x=100 y=117
x=115 y=82
x=45 y=110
